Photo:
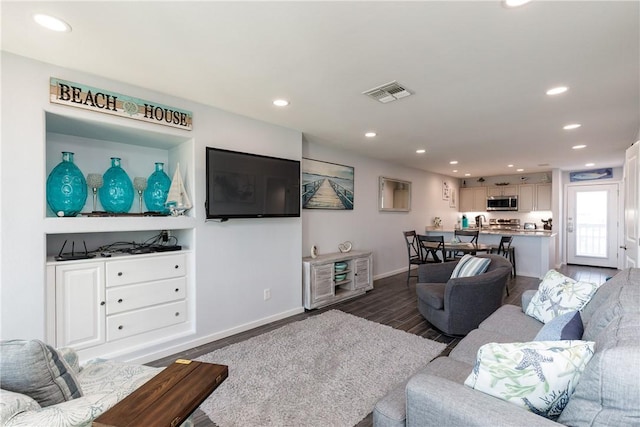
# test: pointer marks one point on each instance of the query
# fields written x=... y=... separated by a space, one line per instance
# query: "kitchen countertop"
x=520 y=232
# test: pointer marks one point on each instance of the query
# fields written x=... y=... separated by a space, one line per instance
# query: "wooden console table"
x=168 y=398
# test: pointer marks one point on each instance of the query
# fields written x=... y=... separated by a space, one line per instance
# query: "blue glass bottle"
x=66 y=187
x=155 y=195
x=116 y=194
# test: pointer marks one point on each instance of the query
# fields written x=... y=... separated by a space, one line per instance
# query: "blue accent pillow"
x=470 y=266
x=567 y=326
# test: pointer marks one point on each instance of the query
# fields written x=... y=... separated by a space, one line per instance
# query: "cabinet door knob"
x=119 y=273
x=177 y=266
x=102 y=303
x=120 y=327
x=177 y=313
x=177 y=289
x=120 y=300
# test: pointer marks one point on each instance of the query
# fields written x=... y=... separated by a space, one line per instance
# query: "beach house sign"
x=107 y=102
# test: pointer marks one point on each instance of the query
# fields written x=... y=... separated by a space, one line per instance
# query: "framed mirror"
x=394 y=195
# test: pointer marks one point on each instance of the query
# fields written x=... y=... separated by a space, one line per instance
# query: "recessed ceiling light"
x=52 y=23
x=557 y=90
x=509 y=166
x=519 y=170
x=455 y=170
x=578 y=147
x=370 y=134
x=280 y=102
x=572 y=126
x=421 y=151
x=453 y=162
x=590 y=164
x=515 y=3
x=467 y=174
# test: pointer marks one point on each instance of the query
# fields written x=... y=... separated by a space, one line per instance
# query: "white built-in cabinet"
x=531 y=197
x=99 y=304
x=114 y=306
x=473 y=199
x=502 y=190
x=320 y=287
x=534 y=197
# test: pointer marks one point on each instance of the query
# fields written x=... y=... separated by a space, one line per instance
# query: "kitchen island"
x=535 y=250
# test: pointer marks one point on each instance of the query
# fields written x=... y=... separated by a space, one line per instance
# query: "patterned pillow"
x=540 y=376
x=470 y=266
x=567 y=326
x=37 y=370
x=559 y=294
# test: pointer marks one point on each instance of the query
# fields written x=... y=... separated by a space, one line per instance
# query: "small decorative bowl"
x=341 y=277
x=340 y=266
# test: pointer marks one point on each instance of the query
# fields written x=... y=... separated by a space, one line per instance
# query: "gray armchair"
x=457 y=306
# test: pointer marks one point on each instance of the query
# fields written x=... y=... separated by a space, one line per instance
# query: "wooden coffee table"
x=168 y=398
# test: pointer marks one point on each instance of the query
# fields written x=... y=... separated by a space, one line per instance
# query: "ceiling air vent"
x=388 y=92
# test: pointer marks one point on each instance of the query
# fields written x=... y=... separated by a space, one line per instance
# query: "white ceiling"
x=479 y=71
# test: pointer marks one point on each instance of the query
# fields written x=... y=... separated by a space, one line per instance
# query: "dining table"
x=454 y=247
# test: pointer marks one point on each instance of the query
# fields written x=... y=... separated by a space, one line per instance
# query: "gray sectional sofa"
x=608 y=392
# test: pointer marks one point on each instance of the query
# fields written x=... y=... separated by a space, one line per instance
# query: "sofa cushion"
x=567 y=326
x=37 y=370
x=606 y=290
x=470 y=266
x=539 y=376
x=608 y=392
x=432 y=294
x=466 y=350
x=12 y=403
x=558 y=294
x=509 y=320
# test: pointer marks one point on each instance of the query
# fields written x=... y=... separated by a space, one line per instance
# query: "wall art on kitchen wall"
x=327 y=185
x=446 y=190
x=453 y=199
x=590 y=175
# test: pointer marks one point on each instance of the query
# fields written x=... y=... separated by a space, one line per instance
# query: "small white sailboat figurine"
x=177 y=200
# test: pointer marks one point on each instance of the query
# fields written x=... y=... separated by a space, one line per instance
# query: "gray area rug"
x=326 y=370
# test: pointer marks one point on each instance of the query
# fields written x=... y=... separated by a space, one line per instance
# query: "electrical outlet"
x=267 y=294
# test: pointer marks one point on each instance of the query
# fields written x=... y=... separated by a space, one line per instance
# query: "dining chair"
x=426 y=242
x=414 y=252
x=473 y=234
x=505 y=249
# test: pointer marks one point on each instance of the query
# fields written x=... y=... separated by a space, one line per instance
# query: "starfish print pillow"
x=559 y=294
x=539 y=376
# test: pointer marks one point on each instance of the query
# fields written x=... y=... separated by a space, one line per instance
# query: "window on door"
x=591 y=224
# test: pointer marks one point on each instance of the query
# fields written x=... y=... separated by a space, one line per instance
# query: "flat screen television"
x=243 y=185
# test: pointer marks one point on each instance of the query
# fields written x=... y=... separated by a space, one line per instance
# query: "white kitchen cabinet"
x=543 y=197
x=473 y=199
x=534 y=197
x=320 y=287
x=80 y=305
x=502 y=190
x=115 y=304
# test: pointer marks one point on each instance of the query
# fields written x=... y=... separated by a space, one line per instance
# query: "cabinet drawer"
x=124 y=272
x=131 y=297
x=144 y=320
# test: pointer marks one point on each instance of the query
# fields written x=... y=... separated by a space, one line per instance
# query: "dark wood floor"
x=391 y=303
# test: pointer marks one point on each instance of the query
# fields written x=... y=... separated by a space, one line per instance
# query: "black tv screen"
x=243 y=185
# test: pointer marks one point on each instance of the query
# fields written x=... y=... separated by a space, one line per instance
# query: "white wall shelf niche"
x=94 y=143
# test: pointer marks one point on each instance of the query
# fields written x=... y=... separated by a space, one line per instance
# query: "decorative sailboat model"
x=177 y=199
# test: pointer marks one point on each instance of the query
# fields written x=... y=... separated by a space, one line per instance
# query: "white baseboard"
x=392 y=273
x=186 y=345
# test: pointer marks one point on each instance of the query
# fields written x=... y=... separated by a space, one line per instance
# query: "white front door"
x=592 y=225
x=631 y=200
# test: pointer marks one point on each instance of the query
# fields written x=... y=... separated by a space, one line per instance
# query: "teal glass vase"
x=116 y=194
x=155 y=195
x=66 y=187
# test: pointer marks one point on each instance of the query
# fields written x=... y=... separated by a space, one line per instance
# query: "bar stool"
x=505 y=249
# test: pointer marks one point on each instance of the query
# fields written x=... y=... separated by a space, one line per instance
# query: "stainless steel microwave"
x=502 y=203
